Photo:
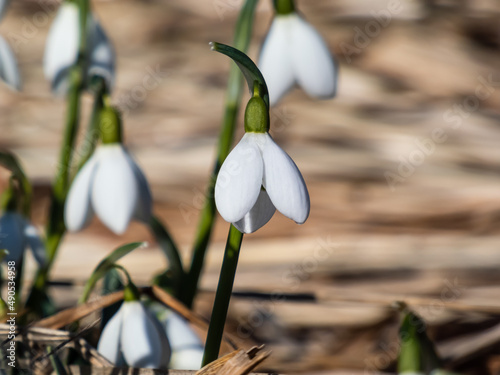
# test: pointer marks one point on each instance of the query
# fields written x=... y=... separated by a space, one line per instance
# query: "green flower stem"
x=167 y=244
x=223 y=295
x=55 y=226
x=242 y=37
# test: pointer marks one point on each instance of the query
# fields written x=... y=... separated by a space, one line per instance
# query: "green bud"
x=256 y=116
x=131 y=293
x=284 y=7
x=110 y=126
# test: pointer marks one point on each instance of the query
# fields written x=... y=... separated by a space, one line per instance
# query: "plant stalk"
x=222 y=296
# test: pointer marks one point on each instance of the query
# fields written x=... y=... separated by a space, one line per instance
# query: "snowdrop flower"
x=62 y=49
x=134 y=337
x=295 y=53
x=187 y=349
x=258 y=176
x=17 y=233
x=109 y=184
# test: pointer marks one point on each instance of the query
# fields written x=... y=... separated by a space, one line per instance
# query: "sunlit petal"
x=258 y=216
x=275 y=59
x=78 y=210
x=284 y=183
x=239 y=180
x=61 y=50
x=109 y=342
x=313 y=64
x=114 y=190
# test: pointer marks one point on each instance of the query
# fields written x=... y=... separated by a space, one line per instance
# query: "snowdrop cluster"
x=258 y=177
x=110 y=184
x=295 y=53
x=9 y=72
x=135 y=337
x=62 y=49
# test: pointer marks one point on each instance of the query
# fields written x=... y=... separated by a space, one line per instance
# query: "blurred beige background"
x=402 y=168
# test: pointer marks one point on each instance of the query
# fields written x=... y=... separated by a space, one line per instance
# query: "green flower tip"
x=256 y=116
x=131 y=293
x=110 y=126
x=284 y=7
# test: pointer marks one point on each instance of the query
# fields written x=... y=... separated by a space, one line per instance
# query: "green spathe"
x=110 y=126
x=256 y=116
x=284 y=7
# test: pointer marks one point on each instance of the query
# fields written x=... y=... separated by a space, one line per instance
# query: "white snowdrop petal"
x=143 y=209
x=35 y=243
x=114 y=190
x=12 y=235
x=240 y=178
x=180 y=334
x=284 y=183
x=9 y=72
x=275 y=59
x=187 y=359
x=141 y=342
x=61 y=50
x=258 y=216
x=78 y=210
x=3 y=7
x=313 y=64
x=109 y=342
x=102 y=54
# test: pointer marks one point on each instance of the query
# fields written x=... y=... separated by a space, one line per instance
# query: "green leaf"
x=9 y=161
x=107 y=264
x=252 y=74
x=112 y=283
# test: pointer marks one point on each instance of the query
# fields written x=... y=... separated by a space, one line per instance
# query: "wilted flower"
x=62 y=49
x=134 y=337
x=17 y=233
x=294 y=53
x=111 y=185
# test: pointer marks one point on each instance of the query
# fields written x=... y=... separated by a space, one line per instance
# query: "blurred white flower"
x=9 y=72
x=111 y=185
x=62 y=48
x=3 y=7
x=294 y=53
x=134 y=337
x=17 y=233
x=258 y=162
x=187 y=349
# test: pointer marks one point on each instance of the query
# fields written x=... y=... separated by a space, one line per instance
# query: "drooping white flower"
x=62 y=46
x=17 y=233
x=187 y=349
x=255 y=164
x=9 y=72
x=134 y=337
x=111 y=185
x=295 y=53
